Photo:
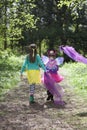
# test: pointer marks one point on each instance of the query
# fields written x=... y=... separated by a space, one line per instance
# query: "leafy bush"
x=10 y=66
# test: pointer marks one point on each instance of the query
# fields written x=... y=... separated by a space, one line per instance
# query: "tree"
x=76 y=28
x=16 y=18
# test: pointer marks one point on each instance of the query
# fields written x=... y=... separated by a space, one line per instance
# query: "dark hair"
x=32 y=52
x=51 y=52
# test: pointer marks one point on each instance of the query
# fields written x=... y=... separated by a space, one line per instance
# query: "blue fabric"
x=52 y=70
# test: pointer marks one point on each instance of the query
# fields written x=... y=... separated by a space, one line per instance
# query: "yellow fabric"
x=34 y=76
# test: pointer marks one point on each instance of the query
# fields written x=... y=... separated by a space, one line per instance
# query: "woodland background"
x=48 y=23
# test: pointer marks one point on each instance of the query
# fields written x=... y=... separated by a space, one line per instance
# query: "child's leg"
x=32 y=88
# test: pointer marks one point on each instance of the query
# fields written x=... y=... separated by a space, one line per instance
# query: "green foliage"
x=76 y=74
x=44 y=46
x=32 y=21
x=9 y=70
x=70 y=2
x=16 y=17
x=8 y=80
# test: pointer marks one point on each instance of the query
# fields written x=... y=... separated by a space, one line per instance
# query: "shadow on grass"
x=46 y=105
x=37 y=106
x=50 y=104
x=83 y=114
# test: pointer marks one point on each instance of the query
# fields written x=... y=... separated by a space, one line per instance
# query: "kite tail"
x=55 y=90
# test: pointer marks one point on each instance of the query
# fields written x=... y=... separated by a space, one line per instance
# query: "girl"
x=32 y=66
x=52 y=68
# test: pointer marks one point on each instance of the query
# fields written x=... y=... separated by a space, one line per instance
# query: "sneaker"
x=31 y=99
x=48 y=98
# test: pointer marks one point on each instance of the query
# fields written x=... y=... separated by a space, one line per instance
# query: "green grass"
x=76 y=74
x=10 y=66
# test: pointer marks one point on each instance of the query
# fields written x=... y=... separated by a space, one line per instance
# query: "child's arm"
x=41 y=63
x=23 y=67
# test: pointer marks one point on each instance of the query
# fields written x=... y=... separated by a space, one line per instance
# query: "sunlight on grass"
x=10 y=72
x=76 y=74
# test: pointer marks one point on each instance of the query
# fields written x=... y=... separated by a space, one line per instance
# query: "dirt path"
x=17 y=114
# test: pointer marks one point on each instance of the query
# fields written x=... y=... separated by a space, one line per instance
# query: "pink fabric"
x=57 y=78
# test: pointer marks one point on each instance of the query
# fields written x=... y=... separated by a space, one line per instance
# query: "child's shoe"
x=50 y=98
x=31 y=99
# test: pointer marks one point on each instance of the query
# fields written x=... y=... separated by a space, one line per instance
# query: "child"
x=52 y=68
x=32 y=66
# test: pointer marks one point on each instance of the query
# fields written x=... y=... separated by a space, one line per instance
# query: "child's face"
x=51 y=57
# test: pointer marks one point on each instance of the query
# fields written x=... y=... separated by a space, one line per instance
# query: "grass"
x=76 y=78
x=9 y=72
x=76 y=74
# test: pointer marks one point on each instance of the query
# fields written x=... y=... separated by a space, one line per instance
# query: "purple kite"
x=72 y=53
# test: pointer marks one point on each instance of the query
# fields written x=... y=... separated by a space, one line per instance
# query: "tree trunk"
x=5 y=22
